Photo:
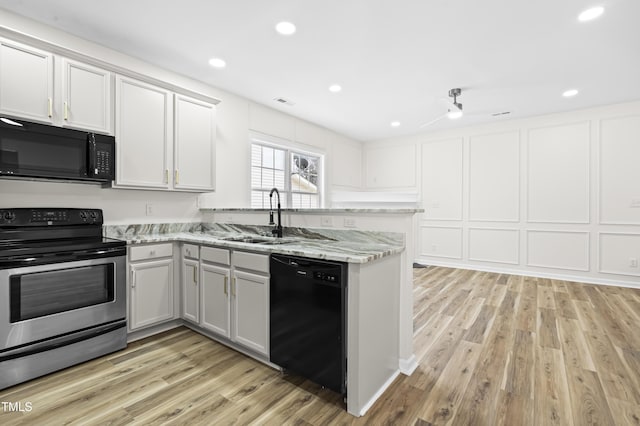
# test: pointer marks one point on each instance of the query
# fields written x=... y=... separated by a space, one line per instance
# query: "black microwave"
x=39 y=151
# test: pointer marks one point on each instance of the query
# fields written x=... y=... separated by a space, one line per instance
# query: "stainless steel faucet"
x=277 y=231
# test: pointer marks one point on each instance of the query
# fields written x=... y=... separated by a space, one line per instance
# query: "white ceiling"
x=394 y=58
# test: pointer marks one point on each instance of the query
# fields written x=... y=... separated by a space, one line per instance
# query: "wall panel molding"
x=559 y=249
x=494 y=177
x=441 y=241
x=619 y=174
x=558 y=173
x=615 y=252
x=505 y=242
x=442 y=179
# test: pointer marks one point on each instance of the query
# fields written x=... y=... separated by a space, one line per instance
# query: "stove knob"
x=9 y=216
x=83 y=215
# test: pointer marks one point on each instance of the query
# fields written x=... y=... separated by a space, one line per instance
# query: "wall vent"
x=284 y=101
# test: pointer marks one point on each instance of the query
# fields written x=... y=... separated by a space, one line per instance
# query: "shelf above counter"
x=319 y=211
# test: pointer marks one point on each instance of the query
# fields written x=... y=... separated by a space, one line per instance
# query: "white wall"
x=236 y=116
x=552 y=196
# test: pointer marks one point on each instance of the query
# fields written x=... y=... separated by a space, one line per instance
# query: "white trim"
x=408 y=366
x=375 y=396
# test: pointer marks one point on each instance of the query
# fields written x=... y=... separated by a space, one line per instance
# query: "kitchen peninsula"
x=374 y=282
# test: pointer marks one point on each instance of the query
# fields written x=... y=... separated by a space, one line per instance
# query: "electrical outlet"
x=326 y=221
x=635 y=203
x=633 y=262
x=434 y=248
x=149 y=210
x=349 y=222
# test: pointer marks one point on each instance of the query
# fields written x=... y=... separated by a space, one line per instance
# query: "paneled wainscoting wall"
x=554 y=196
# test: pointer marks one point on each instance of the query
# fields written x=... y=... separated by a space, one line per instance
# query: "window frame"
x=289 y=148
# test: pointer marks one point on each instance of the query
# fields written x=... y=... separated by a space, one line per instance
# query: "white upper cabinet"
x=26 y=82
x=195 y=141
x=86 y=101
x=143 y=134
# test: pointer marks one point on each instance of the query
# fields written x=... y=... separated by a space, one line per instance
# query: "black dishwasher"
x=308 y=319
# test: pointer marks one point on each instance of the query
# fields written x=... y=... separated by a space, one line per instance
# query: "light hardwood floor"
x=493 y=350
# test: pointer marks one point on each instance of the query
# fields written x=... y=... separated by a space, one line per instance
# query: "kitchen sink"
x=258 y=239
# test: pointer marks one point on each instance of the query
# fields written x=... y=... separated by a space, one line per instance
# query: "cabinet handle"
x=133 y=278
x=233 y=286
x=66 y=111
x=225 y=285
x=195 y=277
x=152 y=253
x=166 y=176
x=177 y=182
x=50 y=107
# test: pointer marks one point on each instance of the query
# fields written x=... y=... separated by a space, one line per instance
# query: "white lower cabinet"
x=190 y=290
x=151 y=288
x=234 y=296
x=251 y=310
x=216 y=312
x=190 y=280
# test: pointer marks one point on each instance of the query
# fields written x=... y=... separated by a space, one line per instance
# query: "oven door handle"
x=63 y=257
x=63 y=340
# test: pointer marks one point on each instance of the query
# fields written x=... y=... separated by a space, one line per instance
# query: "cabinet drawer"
x=251 y=261
x=190 y=251
x=151 y=251
x=215 y=255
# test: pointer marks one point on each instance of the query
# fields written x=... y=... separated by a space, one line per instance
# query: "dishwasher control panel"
x=324 y=276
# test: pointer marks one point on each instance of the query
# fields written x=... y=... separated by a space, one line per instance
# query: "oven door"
x=46 y=301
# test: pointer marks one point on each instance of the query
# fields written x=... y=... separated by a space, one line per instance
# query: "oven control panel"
x=23 y=217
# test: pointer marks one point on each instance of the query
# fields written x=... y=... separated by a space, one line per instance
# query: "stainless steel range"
x=62 y=291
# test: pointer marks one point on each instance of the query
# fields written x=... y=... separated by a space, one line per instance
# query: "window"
x=296 y=174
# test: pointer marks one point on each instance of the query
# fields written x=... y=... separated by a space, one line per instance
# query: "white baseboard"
x=150 y=331
x=539 y=274
x=375 y=396
x=408 y=366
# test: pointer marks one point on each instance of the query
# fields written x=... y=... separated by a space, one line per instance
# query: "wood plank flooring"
x=493 y=350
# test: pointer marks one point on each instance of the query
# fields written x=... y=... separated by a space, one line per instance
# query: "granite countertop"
x=352 y=246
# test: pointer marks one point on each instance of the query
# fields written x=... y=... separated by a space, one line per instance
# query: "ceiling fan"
x=454 y=108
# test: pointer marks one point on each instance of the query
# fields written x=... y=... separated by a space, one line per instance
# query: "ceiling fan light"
x=454 y=115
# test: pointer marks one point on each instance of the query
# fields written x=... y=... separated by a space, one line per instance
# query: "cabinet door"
x=214 y=299
x=26 y=82
x=195 y=142
x=86 y=97
x=250 y=299
x=142 y=134
x=190 y=290
x=151 y=293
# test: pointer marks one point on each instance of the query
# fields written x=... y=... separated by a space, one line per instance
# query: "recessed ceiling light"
x=285 y=28
x=395 y=123
x=591 y=14
x=335 y=88
x=454 y=115
x=569 y=93
x=217 y=63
